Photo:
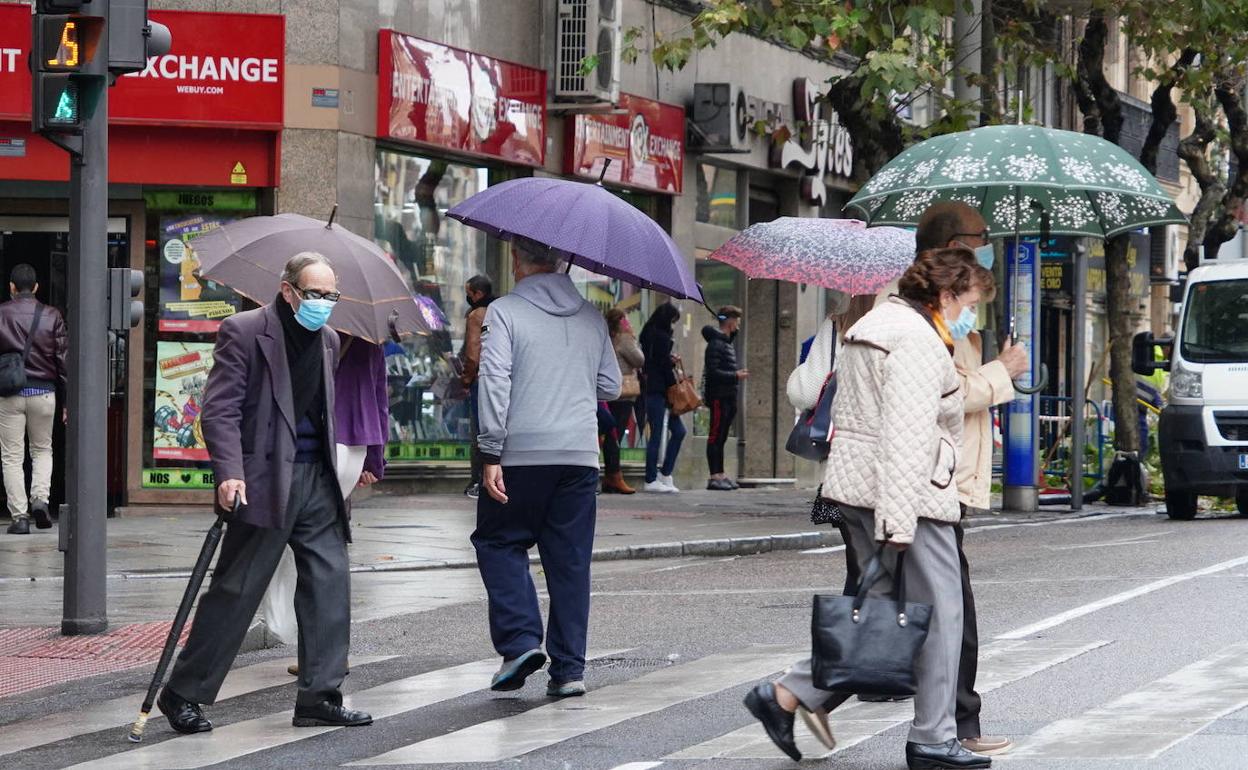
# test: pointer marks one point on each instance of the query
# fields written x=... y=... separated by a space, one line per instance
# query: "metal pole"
x=85 y=599
x=1079 y=287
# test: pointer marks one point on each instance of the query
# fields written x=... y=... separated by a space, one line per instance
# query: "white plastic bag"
x=278 y=606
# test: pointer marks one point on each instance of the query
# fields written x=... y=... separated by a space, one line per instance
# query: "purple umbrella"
x=840 y=254
x=250 y=254
x=586 y=224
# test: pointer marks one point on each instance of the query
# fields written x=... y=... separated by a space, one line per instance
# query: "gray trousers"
x=249 y=555
x=933 y=576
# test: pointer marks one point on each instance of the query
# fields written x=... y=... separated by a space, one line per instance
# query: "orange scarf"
x=942 y=328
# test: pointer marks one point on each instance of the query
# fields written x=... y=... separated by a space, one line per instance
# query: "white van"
x=1204 y=426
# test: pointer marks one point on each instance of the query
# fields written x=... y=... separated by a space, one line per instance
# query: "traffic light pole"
x=84 y=535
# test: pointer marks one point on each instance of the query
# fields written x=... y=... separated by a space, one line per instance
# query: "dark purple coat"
x=362 y=411
x=248 y=416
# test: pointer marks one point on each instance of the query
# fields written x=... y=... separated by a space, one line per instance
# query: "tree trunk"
x=1194 y=150
x=1164 y=111
x=1102 y=115
x=1224 y=227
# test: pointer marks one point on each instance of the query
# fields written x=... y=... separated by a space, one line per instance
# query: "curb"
x=727 y=546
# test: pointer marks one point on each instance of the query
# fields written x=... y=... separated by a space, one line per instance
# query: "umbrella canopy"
x=586 y=224
x=837 y=254
x=1016 y=176
x=250 y=254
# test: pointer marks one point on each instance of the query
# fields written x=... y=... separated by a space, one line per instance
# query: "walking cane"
x=184 y=609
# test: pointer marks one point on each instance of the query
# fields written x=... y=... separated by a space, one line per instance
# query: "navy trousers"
x=554 y=508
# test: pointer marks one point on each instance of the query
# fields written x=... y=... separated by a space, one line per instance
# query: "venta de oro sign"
x=821 y=148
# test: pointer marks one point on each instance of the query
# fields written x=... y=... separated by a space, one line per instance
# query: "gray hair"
x=302 y=261
x=535 y=255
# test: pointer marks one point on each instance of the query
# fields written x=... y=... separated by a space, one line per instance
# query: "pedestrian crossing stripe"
x=273 y=730
x=1146 y=722
x=501 y=739
x=1000 y=664
x=119 y=712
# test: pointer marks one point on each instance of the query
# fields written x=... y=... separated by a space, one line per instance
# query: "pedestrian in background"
x=630 y=358
x=268 y=421
x=807 y=380
x=891 y=470
x=720 y=380
x=479 y=291
x=953 y=224
x=657 y=344
x=546 y=362
x=35 y=332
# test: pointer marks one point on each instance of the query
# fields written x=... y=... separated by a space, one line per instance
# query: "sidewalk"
x=410 y=554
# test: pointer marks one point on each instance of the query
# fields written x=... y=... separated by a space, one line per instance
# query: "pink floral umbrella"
x=841 y=254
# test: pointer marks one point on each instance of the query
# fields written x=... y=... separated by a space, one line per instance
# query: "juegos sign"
x=645 y=143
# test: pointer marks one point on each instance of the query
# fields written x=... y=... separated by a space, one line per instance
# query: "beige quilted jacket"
x=898 y=418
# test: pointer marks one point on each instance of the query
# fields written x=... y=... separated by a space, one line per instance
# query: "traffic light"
x=125 y=306
x=132 y=37
x=67 y=74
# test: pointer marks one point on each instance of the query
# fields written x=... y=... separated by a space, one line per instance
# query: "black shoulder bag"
x=811 y=437
x=13 y=365
x=864 y=645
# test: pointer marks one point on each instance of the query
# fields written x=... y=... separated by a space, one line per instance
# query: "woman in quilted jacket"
x=898 y=418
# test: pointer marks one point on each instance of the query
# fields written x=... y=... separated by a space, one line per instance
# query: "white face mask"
x=964 y=324
x=985 y=255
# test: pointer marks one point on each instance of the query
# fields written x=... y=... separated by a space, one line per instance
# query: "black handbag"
x=865 y=645
x=811 y=437
x=824 y=511
x=13 y=365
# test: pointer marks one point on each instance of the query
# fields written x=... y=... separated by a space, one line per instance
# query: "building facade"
x=394 y=112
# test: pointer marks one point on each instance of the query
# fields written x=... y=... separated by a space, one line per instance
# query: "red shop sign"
x=646 y=145
x=225 y=69
x=429 y=93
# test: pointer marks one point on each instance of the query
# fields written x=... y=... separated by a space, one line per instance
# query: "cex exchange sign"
x=225 y=69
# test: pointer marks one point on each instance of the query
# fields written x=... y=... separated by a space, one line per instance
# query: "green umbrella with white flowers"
x=1018 y=177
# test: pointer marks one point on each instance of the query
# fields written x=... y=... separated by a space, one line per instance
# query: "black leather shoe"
x=20 y=526
x=40 y=512
x=184 y=716
x=762 y=703
x=939 y=756
x=328 y=714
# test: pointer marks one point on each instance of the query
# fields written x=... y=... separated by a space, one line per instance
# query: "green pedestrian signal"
x=67 y=106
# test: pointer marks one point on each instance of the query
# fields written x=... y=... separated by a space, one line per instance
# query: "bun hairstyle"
x=939 y=270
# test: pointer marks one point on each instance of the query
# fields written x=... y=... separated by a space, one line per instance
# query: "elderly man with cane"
x=268 y=423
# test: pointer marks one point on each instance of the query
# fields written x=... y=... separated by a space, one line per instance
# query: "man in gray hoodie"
x=546 y=362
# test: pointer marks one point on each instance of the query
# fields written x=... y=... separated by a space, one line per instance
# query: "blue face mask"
x=985 y=255
x=313 y=313
x=964 y=325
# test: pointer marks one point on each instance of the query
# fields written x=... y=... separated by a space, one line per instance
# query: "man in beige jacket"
x=983 y=386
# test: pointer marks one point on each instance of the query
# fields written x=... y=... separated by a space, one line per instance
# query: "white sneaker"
x=667 y=482
x=657 y=486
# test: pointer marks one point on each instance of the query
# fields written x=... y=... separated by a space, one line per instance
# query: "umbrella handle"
x=1040 y=383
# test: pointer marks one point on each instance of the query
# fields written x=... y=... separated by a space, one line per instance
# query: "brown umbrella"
x=250 y=254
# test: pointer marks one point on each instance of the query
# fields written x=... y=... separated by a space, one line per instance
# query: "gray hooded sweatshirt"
x=546 y=362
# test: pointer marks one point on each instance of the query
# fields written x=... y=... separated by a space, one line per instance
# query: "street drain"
x=628 y=663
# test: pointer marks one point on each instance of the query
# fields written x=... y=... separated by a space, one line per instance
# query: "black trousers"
x=968 y=706
x=723 y=412
x=249 y=556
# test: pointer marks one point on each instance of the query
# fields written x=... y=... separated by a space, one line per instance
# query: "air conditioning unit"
x=720 y=119
x=587 y=28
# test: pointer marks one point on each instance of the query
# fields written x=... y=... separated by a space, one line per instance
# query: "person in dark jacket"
x=721 y=377
x=29 y=413
x=656 y=345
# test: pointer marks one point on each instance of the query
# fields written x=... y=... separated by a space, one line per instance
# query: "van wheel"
x=1241 y=502
x=1181 y=505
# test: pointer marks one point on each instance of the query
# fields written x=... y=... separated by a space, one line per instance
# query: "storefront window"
x=717 y=195
x=181 y=334
x=429 y=409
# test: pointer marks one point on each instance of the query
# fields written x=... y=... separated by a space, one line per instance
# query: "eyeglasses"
x=982 y=235
x=332 y=296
